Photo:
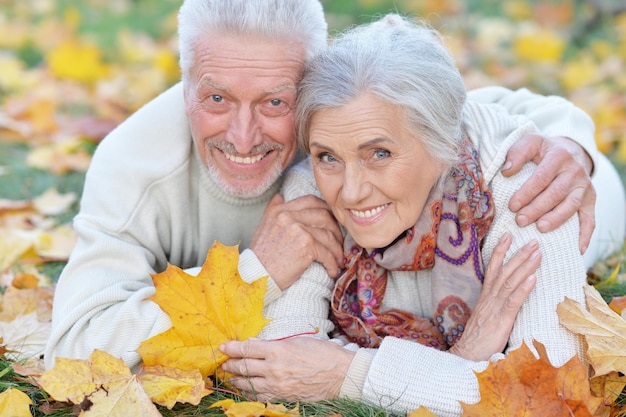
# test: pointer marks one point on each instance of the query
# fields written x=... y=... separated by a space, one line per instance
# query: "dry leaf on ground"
x=103 y=384
x=603 y=329
x=207 y=310
x=167 y=386
x=254 y=409
x=521 y=385
x=14 y=403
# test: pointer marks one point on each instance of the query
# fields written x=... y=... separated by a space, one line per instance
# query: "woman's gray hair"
x=401 y=62
x=300 y=20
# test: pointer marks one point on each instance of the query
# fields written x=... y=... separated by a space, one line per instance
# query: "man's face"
x=240 y=102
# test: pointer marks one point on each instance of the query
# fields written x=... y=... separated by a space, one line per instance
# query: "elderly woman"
x=394 y=152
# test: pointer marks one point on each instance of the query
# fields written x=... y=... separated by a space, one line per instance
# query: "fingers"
x=526 y=149
x=245 y=357
x=552 y=206
x=504 y=279
x=539 y=181
x=252 y=348
x=586 y=218
x=294 y=234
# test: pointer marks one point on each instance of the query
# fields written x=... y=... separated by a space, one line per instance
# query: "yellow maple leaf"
x=603 y=329
x=167 y=386
x=102 y=381
x=521 y=384
x=207 y=310
x=254 y=409
x=15 y=403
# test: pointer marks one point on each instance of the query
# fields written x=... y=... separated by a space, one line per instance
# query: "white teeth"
x=247 y=160
x=368 y=213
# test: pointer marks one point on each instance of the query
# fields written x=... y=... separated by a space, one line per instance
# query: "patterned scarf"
x=445 y=239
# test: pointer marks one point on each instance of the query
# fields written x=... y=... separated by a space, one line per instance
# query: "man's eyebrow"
x=280 y=88
x=208 y=83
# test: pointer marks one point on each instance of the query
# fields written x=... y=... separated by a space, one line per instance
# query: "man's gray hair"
x=299 y=20
x=401 y=62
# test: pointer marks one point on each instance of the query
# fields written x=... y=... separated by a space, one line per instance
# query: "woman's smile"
x=368 y=215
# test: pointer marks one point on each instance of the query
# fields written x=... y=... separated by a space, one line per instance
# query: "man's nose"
x=244 y=131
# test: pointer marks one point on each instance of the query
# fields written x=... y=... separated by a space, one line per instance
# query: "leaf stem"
x=316 y=331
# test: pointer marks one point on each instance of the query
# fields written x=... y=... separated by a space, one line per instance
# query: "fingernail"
x=522 y=220
x=543 y=225
x=583 y=249
x=507 y=165
x=532 y=244
x=514 y=205
x=535 y=254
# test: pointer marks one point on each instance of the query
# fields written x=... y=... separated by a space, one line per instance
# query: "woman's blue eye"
x=217 y=98
x=276 y=102
x=381 y=153
x=327 y=158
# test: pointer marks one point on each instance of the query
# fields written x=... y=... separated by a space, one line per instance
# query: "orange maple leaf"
x=522 y=385
x=618 y=304
x=207 y=310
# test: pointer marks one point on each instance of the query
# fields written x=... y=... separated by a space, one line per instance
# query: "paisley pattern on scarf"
x=446 y=239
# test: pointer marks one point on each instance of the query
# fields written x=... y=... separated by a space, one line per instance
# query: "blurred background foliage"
x=105 y=58
x=71 y=71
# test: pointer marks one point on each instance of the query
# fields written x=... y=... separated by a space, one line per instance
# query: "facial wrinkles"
x=395 y=186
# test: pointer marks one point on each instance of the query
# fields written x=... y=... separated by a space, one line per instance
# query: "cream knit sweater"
x=402 y=375
x=148 y=201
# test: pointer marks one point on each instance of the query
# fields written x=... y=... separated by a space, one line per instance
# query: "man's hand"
x=297 y=369
x=559 y=187
x=292 y=235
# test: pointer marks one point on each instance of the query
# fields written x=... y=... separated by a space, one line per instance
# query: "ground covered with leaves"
x=70 y=72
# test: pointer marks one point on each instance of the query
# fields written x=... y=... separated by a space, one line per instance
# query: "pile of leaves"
x=70 y=73
x=181 y=365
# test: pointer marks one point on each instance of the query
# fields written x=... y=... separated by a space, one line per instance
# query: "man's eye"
x=217 y=98
x=274 y=107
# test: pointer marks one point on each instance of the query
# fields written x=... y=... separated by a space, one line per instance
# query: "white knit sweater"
x=148 y=201
x=402 y=375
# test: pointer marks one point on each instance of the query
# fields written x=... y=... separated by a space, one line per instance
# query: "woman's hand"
x=505 y=288
x=296 y=369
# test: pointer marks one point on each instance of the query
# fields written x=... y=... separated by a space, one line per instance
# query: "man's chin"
x=245 y=187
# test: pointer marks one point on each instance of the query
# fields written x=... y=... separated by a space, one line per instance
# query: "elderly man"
x=203 y=162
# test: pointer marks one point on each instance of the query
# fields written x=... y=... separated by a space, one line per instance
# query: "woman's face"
x=371 y=168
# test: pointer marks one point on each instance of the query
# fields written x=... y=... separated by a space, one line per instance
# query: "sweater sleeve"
x=553 y=115
x=304 y=306
x=404 y=375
